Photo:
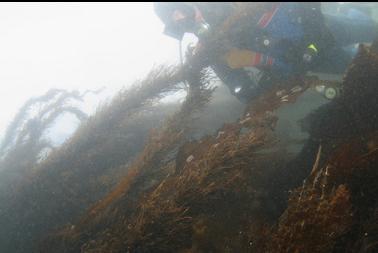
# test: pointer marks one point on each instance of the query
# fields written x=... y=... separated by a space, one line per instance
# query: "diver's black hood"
x=164 y=11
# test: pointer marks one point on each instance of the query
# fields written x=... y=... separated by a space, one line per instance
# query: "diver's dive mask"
x=184 y=21
x=181 y=20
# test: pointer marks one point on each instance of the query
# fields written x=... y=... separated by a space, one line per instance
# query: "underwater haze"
x=189 y=127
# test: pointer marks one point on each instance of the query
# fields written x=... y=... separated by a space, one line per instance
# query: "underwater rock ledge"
x=218 y=194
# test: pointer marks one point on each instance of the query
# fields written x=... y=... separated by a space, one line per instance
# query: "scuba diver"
x=280 y=40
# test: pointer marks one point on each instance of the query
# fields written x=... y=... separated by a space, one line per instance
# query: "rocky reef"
x=240 y=190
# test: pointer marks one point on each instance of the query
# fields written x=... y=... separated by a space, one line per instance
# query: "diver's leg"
x=335 y=61
x=347 y=31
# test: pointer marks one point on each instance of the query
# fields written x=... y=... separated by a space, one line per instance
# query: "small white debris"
x=296 y=89
x=189 y=159
x=244 y=120
x=220 y=133
x=269 y=113
x=280 y=93
x=285 y=98
x=216 y=145
x=366 y=234
x=320 y=88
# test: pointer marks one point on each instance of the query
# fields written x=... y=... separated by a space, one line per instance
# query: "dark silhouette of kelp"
x=89 y=164
x=27 y=130
x=215 y=194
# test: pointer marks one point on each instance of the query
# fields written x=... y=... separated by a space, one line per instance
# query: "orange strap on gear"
x=239 y=58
